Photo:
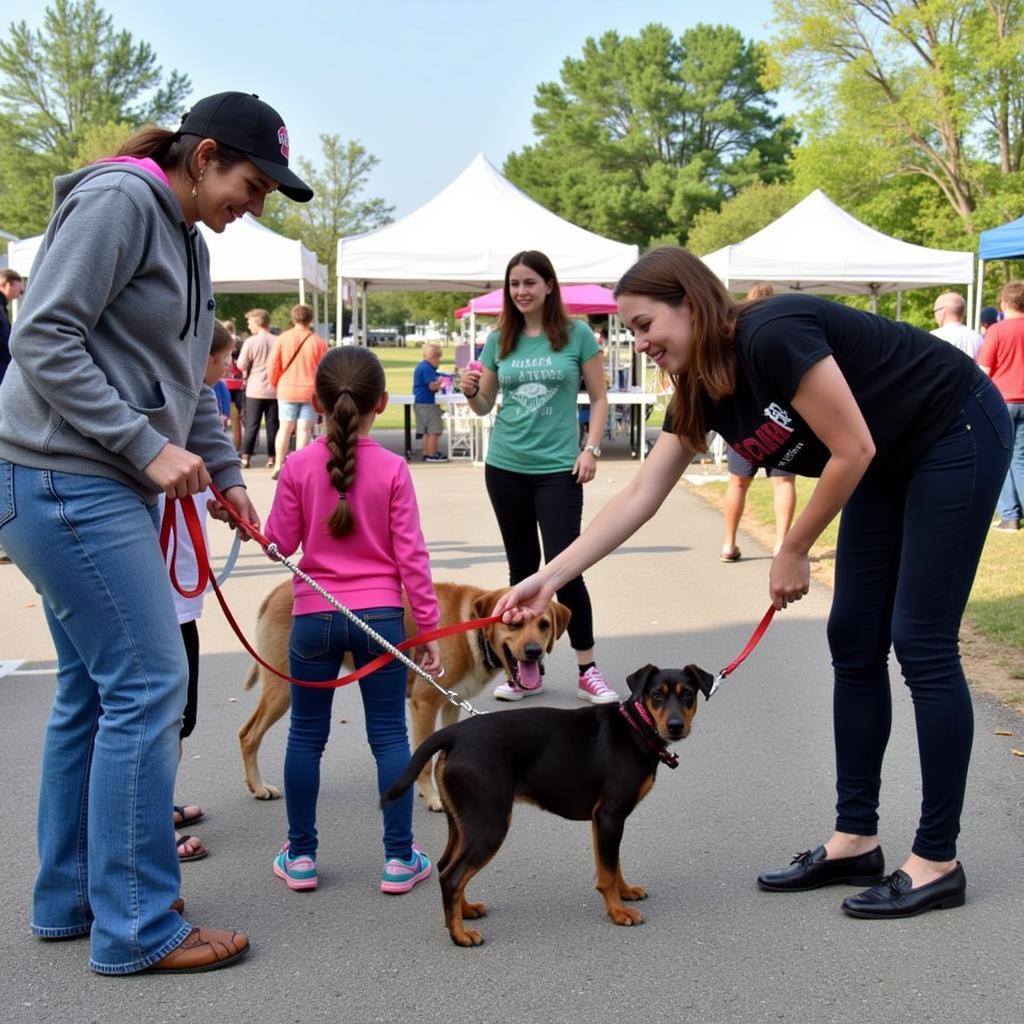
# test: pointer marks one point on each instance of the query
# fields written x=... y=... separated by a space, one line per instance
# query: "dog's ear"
x=483 y=606
x=701 y=678
x=561 y=616
x=638 y=680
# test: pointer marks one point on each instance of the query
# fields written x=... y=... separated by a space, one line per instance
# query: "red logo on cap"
x=282 y=137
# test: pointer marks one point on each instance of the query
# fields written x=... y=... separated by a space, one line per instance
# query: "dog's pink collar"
x=646 y=729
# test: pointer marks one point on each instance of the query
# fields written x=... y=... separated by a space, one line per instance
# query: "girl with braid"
x=350 y=505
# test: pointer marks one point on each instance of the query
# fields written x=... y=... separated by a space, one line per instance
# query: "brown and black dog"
x=595 y=763
x=471 y=661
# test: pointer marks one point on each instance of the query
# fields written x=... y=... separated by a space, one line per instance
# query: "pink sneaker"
x=509 y=691
x=298 y=873
x=401 y=875
x=593 y=687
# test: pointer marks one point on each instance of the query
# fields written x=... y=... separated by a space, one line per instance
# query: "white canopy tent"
x=245 y=258
x=818 y=247
x=461 y=240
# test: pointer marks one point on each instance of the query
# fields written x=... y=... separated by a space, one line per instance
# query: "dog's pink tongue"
x=529 y=674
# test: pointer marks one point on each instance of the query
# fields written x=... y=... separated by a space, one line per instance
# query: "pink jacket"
x=382 y=555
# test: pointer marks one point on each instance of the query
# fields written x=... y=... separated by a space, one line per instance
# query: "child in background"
x=426 y=382
x=350 y=505
x=189 y=609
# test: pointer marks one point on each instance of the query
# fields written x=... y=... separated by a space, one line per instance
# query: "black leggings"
x=907 y=553
x=190 y=637
x=522 y=502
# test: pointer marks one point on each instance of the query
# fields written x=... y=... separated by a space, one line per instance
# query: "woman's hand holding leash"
x=789 y=578
x=177 y=472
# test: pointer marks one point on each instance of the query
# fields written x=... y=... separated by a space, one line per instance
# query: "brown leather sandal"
x=204 y=949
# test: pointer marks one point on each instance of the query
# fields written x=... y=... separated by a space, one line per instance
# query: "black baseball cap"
x=244 y=122
x=988 y=316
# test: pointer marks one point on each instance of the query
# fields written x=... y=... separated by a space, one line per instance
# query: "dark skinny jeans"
x=907 y=553
x=552 y=502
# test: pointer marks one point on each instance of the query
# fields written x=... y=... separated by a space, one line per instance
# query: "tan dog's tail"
x=250 y=679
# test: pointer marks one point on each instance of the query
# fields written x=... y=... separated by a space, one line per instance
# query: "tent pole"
x=899 y=304
x=339 y=309
x=970 y=302
x=980 y=300
x=366 y=322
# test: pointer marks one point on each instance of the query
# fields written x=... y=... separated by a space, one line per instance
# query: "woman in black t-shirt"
x=901 y=432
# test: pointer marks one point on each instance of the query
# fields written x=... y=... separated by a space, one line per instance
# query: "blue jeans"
x=318 y=643
x=907 y=553
x=1011 y=497
x=108 y=861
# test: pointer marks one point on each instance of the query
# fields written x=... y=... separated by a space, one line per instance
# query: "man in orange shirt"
x=1001 y=356
x=292 y=370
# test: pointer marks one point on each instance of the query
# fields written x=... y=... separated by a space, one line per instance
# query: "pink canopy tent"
x=578 y=298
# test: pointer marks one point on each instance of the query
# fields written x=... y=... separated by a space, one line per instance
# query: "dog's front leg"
x=608 y=824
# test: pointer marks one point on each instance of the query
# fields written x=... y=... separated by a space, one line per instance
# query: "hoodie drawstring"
x=194 y=288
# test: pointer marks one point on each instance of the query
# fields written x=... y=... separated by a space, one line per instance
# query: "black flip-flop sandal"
x=198 y=855
x=183 y=821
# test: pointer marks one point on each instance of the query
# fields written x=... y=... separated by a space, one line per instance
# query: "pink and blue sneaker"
x=402 y=875
x=298 y=872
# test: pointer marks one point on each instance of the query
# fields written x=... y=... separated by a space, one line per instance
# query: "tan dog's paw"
x=434 y=804
x=266 y=792
x=626 y=916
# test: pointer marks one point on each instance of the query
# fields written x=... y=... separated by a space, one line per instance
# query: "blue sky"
x=424 y=84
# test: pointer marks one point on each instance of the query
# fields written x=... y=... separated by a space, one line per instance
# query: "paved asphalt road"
x=754 y=786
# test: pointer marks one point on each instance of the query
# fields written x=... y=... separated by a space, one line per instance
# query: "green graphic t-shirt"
x=537 y=429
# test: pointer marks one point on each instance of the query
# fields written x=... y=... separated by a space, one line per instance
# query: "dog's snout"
x=676 y=726
x=533 y=651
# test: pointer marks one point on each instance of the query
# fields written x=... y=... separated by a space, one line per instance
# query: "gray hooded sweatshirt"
x=113 y=336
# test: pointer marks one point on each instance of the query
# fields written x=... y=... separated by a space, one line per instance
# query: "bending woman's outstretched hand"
x=528 y=598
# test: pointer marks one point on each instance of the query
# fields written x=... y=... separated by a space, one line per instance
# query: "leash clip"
x=716 y=683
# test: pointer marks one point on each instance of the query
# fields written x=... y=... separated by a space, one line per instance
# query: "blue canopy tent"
x=1005 y=242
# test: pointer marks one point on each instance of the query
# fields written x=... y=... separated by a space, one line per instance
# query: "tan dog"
x=471 y=660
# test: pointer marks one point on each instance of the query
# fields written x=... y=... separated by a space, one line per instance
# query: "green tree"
x=643 y=133
x=77 y=71
x=929 y=90
x=337 y=208
x=63 y=88
x=753 y=208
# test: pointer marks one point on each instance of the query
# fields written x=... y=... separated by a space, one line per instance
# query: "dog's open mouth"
x=525 y=674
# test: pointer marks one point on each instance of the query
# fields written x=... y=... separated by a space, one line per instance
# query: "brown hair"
x=673 y=276
x=261 y=316
x=174 y=151
x=301 y=314
x=556 y=319
x=7 y=276
x=1012 y=295
x=221 y=340
x=349 y=384
x=759 y=290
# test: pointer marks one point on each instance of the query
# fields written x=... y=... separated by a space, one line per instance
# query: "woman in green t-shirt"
x=535 y=470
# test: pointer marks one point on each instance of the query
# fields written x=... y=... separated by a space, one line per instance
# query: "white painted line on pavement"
x=7 y=667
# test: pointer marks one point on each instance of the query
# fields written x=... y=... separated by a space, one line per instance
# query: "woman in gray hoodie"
x=103 y=408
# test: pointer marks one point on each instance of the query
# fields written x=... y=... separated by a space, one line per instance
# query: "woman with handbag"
x=292 y=370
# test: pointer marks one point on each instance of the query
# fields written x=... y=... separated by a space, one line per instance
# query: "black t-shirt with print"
x=908 y=384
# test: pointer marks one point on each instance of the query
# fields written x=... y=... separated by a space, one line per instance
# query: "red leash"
x=754 y=640
x=169 y=536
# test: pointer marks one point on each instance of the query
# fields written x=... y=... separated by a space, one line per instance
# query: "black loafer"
x=812 y=869
x=894 y=896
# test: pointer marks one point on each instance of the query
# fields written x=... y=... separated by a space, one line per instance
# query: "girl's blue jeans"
x=108 y=861
x=318 y=644
x=907 y=553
